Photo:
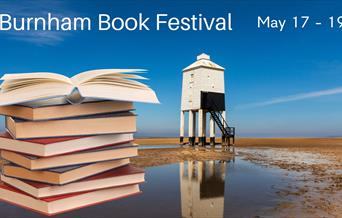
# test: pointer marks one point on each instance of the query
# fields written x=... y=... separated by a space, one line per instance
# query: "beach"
x=256 y=142
x=314 y=165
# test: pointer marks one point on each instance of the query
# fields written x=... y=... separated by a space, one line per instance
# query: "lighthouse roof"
x=203 y=61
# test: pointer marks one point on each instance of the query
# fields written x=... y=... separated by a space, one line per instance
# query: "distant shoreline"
x=253 y=142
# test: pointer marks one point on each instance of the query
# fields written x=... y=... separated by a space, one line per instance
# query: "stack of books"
x=68 y=141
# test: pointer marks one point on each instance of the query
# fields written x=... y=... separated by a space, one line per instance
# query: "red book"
x=44 y=147
x=62 y=175
x=113 y=178
x=57 y=110
x=112 y=152
x=64 y=203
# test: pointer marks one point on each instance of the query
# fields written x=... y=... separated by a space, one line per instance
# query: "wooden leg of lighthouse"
x=181 y=132
x=201 y=127
x=192 y=127
x=204 y=139
x=212 y=131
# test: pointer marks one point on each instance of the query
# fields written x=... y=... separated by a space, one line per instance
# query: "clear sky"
x=277 y=83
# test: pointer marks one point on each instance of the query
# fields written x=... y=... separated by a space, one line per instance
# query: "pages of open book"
x=105 y=84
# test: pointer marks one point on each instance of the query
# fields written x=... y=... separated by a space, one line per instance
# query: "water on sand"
x=235 y=187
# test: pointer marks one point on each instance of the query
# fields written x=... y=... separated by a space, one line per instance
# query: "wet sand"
x=162 y=156
x=314 y=164
x=256 y=142
x=316 y=190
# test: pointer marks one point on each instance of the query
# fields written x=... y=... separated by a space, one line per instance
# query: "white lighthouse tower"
x=203 y=92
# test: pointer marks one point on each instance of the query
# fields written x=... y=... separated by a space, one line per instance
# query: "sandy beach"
x=256 y=142
x=315 y=165
x=161 y=156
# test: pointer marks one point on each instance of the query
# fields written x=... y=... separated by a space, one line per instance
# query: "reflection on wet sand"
x=202 y=185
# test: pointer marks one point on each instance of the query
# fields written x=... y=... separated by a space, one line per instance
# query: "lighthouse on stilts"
x=203 y=93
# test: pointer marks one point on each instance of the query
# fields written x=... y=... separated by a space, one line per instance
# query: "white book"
x=105 y=84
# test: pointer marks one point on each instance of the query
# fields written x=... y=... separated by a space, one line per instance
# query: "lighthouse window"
x=191 y=80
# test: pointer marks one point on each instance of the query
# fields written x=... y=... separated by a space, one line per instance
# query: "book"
x=62 y=175
x=55 y=101
x=45 y=147
x=34 y=112
x=117 y=177
x=105 y=84
x=76 y=126
x=90 y=156
x=64 y=203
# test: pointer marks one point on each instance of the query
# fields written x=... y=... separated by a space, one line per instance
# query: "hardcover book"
x=64 y=203
x=117 y=177
x=45 y=147
x=90 y=156
x=36 y=112
x=62 y=175
x=76 y=126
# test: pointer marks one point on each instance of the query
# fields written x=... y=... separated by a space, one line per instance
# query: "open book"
x=105 y=84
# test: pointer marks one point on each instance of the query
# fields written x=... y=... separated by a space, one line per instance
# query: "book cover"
x=116 y=177
x=45 y=147
x=107 y=153
x=64 y=203
x=36 y=112
x=62 y=175
x=76 y=126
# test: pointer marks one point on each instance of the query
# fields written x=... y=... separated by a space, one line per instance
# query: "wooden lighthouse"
x=203 y=92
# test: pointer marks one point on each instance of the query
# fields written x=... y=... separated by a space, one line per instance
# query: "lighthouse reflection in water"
x=202 y=186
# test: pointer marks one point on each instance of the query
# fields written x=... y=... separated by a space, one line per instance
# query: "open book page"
x=116 y=82
x=114 y=85
x=33 y=76
x=108 y=84
x=91 y=74
x=116 y=76
x=120 y=93
x=18 y=81
x=60 y=100
x=35 y=92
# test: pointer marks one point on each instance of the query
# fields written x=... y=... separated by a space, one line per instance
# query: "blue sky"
x=278 y=83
